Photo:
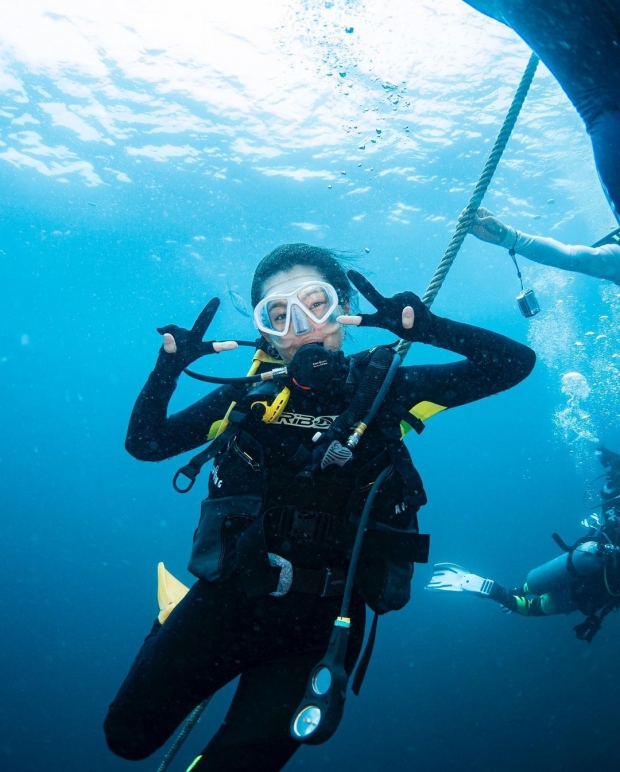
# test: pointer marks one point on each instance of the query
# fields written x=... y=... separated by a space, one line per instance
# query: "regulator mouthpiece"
x=312 y=367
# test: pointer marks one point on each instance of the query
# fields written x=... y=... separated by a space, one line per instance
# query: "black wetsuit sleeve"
x=153 y=435
x=492 y=364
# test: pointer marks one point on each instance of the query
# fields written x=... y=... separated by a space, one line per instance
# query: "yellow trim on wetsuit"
x=260 y=357
x=423 y=411
x=523 y=605
x=542 y=605
x=194 y=763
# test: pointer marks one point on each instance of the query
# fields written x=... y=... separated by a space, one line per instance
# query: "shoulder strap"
x=394 y=408
x=192 y=469
x=222 y=431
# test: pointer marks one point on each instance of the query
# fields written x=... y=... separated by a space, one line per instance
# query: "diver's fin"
x=169 y=592
x=448 y=577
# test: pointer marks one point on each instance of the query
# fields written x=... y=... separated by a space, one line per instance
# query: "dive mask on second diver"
x=313 y=301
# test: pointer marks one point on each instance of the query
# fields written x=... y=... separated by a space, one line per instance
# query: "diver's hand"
x=181 y=347
x=487 y=227
x=404 y=314
x=170 y=344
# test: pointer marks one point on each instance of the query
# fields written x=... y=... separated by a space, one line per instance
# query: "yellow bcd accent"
x=170 y=591
x=274 y=410
x=193 y=764
x=260 y=357
x=423 y=411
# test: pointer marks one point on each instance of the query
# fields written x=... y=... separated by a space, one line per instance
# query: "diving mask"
x=313 y=301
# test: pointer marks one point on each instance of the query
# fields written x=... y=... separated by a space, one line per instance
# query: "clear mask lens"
x=311 y=302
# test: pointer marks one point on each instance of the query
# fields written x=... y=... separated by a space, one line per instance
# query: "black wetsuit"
x=579 y=41
x=217 y=632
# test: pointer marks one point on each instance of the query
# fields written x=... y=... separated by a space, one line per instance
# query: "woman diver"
x=286 y=492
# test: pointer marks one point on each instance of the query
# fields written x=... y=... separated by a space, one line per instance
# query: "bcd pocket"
x=385 y=585
x=386 y=566
x=222 y=521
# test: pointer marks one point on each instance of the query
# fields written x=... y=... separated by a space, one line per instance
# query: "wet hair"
x=330 y=263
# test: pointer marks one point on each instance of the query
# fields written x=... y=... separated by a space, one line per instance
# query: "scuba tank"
x=585 y=559
x=589 y=555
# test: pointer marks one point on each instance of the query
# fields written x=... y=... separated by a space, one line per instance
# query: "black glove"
x=389 y=313
x=190 y=343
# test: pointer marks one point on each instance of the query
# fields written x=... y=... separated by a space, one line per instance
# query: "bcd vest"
x=237 y=519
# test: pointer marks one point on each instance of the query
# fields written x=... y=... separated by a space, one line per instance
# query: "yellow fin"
x=169 y=592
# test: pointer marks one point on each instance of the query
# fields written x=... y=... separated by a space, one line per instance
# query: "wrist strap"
x=511 y=251
x=513 y=255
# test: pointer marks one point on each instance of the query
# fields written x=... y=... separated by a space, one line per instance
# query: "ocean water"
x=150 y=155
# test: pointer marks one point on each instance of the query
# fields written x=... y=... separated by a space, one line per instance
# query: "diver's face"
x=330 y=334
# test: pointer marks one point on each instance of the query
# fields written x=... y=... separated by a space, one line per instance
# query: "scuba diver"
x=586 y=577
x=602 y=260
x=308 y=460
x=579 y=42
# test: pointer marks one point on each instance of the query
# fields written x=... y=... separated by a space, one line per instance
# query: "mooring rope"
x=462 y=229
x=466 y=217
x=190 y=723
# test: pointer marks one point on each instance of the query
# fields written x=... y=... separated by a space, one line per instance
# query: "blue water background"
x=131 y=195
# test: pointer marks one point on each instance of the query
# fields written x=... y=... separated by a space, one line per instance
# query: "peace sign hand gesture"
x=186 y=346
x=404 y=314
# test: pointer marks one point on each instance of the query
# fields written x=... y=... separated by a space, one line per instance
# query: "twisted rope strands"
x=467 y=215
x=190 y=723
